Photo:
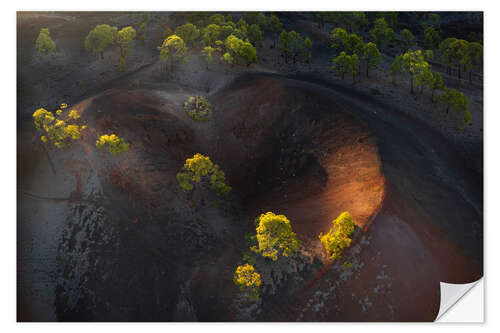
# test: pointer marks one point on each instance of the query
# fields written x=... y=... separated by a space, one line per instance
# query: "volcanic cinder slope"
x=115 y=238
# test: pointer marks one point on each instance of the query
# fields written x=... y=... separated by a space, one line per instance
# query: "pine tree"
x=99 y=38
x=44 y=43
x=125 y=41
x=188 y=32
x=173 y=50
x=275 y=236
x=381 y=32
x=371 y=55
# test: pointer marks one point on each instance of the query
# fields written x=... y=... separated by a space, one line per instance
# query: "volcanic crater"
x=135 y=247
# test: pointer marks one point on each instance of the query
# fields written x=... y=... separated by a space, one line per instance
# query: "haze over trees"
x=44 y=43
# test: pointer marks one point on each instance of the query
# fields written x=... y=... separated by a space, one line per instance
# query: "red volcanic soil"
x=329 y=160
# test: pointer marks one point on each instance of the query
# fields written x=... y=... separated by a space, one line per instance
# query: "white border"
x=8 y=140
